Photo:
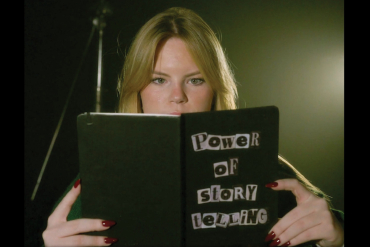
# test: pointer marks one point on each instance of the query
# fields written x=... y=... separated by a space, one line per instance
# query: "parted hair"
x=202 y=44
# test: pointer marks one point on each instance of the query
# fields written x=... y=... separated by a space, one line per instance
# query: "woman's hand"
x=60 y=232
x=312 y=219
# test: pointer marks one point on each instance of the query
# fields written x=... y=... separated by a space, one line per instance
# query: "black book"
x=192 y=180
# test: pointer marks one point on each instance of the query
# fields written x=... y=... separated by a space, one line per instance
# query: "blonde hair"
x=202 y=44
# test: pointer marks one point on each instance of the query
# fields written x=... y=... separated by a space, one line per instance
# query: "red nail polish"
x=273 y=184
x=108 y=223
x=275 y=242
x=286 y=244
x=270 y=236
x=77 y=183
x=110 y=240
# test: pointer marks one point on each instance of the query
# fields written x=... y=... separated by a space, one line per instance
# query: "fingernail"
x=110 y=240
x=275 y=242
x=108 y=223
x=286 y=244
x=77 y=183
x=273 y=184
x=270 y=236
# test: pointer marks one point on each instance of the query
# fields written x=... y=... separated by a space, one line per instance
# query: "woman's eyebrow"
x=187 y=75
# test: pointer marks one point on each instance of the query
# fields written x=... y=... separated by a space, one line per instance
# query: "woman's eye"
x=196 y=81
x=158 y=80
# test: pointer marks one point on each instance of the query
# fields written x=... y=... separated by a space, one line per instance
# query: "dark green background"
x=286 y=53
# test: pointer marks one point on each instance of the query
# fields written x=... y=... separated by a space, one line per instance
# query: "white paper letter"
x=255 y=139
x=221 y=169
x=197 y=220
x=251 y=217
x=251 y=192
x=262 y=216
x=209 y=220
x=222 y=220
x=233 y=163
x=227 y=142
x=215 y=193
x=198 y=141
x=213 y=142
x=226 y=195
x=242 y=141
x=204 y=196
x=238 y=193
x=234 y=219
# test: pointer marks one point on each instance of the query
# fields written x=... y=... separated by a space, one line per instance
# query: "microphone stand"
x=98 y=23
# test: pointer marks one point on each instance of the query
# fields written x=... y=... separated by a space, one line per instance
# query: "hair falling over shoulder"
x=292 y=172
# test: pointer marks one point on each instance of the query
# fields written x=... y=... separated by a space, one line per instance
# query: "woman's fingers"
x=312 y=219
x=300 y=192
x=66 y=233
x=64 y=207
x=299 y=231
x=84 y=240
x=323 y=231
x=304 y=216
x=60 y=232
x=81 y=240
x=78 y=226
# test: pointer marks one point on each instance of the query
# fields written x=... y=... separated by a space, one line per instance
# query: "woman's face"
x=177 y=86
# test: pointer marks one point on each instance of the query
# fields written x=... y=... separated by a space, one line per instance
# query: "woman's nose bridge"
x=178 y=92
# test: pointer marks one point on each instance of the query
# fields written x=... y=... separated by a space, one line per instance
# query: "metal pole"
x=99 y=22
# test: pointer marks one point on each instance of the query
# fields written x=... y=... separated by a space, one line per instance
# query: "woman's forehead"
x=173 y=54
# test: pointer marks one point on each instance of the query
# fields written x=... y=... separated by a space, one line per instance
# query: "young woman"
x=176 y=65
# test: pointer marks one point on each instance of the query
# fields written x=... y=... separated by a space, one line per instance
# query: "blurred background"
x=285 y=53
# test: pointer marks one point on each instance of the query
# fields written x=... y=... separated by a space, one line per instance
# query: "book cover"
x=192 y=180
